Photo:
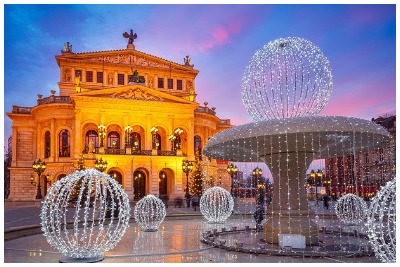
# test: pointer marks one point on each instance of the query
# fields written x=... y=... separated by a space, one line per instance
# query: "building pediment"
x=135 y=92
x=131 y=58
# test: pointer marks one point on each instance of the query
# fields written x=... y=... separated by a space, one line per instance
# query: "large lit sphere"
x=381 y=223
x=351 y=209
x=89 y=199
x=288 y=77
x=216 y=204
x=150 y=213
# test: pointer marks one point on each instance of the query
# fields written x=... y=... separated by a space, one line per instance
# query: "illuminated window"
x=64 y=143
x=47 y=144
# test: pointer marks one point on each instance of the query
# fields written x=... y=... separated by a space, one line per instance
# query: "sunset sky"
x=358 y=40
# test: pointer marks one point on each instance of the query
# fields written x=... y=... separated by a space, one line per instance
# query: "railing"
x=205 y=110
x=21 y=110
x=225 y=122
x=118 y=151
x=54 y=99
x=166 y=153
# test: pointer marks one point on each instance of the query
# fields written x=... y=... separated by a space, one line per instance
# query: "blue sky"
x=358 y=40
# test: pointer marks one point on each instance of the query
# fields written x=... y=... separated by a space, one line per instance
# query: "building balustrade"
x=205 y=110
x=123 y=151
x=21 y=110
x=54 y=99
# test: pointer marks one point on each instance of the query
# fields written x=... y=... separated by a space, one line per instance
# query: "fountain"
x=285 y=86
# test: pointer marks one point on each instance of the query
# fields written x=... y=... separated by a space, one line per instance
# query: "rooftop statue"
x=131 y=36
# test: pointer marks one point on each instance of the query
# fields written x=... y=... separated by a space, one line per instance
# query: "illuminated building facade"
x=136 y=111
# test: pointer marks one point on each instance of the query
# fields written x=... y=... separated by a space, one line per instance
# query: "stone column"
x=289 y=210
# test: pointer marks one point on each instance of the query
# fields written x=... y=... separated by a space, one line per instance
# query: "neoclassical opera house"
x=136 y=111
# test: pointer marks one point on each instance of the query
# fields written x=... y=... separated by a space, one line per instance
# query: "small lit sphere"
x=96 y=206
x=351 y=209
x=150 y=213
x=216 y=204
x=381 y=223
x=288 y=77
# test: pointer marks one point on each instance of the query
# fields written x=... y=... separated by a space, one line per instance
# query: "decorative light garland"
x=284 y=87
x=288 y=77
x=90 y=199
x=150 y=213
x=351 y=209
x=216 y=204
x=381 y=223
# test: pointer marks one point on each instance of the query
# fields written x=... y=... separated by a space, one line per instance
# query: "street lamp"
x=172 y=138
x=257 y=172
x=187 y=167
x=128 y=131
x=177 y=133
x=154 y=131
x=100 y=165
x=232 y=170
x=314 y=175
x=102 y=134
x=39 y=167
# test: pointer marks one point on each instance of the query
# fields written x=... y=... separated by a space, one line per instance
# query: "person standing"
x=187 y=197
x=326 y=201
x=195 y=201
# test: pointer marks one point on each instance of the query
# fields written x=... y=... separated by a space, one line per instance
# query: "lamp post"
x=314 y=175
x=102 y=134
x=187 y=167
x=128 y=131
x=257 y=172
x=172 y=138
x=177 y=133
x=232 y=170
x=100 y=165
x=39 y=167
x=154 y=131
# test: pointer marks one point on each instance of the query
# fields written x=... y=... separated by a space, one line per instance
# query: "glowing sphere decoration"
x=288 y=77
x=351 y=209
x=381 y=223
x=89 y=199
x=216 y=204
x=150 y=213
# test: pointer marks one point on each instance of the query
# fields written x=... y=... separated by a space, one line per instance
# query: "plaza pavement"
x=176 y=241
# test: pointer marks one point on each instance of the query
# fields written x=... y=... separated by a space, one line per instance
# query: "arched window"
x=91 y=135
x=113 y=140
x=197 y=143
x=61 y=176
x=139 y=184
x=116 y=176
x=47 y=144
x=64 y=143
x=135 y=141
x=162 y=185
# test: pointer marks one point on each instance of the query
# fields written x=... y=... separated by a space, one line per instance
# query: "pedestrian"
x=187 y=197
x=326 y=201
x=195 y=201
x=258 y=216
